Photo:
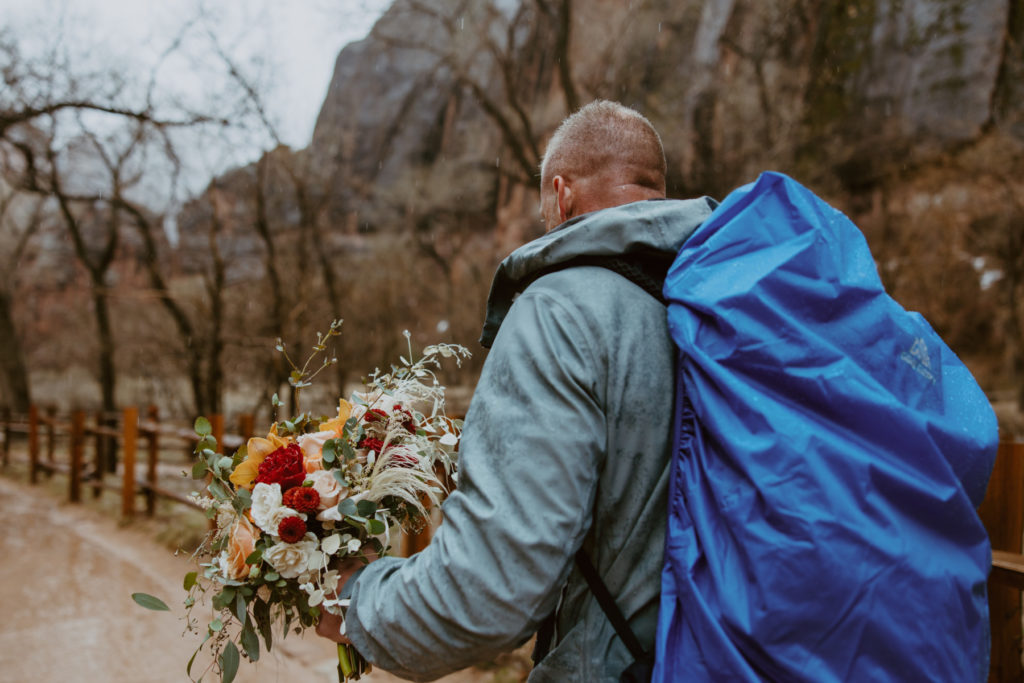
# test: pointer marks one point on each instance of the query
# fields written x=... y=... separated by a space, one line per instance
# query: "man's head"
x=603 y=155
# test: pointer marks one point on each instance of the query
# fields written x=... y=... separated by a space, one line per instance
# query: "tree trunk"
x=13 y=371
x=108 y=377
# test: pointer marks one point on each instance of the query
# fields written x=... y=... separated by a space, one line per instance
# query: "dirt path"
x=66 y=577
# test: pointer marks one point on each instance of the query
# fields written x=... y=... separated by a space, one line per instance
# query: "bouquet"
x=285 y=507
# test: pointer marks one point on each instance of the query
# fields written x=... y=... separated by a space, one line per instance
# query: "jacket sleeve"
x=530 y=458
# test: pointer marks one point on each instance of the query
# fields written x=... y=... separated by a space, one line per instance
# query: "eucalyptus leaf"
x=225 y=463
x=330 y=450
x=366 y=508
x=375 y=526
x=270 y=577
x=199 y=469
x=347 y=508
x=202 y=426
x=255 y=557
x=261 y=613
x=240 y=607
x=229 y=663
x=192 y=659
x=217 y=490
x=251 y=644
x=216 y=625
x=190 y=580
x=150 y=602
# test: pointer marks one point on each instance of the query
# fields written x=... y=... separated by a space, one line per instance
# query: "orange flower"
x=241 y=544
x=338 y=423
x=244 y=476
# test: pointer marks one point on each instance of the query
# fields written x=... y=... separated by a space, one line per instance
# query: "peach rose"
x=328 y=487
x=312 y=446
x=241 y=544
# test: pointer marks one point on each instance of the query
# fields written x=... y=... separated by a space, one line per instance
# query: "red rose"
x=375 y=415
x=405 y=417
x=302 y=499
x=283 y=466
x=291 y=529
x=371 y=444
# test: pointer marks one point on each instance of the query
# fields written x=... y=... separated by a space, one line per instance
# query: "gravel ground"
x=67 y=573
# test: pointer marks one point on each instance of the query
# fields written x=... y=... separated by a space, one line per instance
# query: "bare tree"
x=18 y=223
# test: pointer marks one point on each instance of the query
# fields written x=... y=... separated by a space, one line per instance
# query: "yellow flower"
x=256 y=452
x=338 y=423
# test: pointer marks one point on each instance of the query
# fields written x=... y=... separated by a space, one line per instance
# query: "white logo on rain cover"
x=917 y=358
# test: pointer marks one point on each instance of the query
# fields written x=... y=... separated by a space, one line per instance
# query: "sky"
x=286 y=48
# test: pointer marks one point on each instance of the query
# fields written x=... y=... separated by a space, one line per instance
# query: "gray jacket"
x=566 y=444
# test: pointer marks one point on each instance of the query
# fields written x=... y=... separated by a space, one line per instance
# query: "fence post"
x=77 y=448
x=5 y=417
x=245 y=426
x=33 y=444
x=130 y=436
x=1002 y=511
x=99 y=443
x=51 y=438
x=153 y=457
x=217 y=430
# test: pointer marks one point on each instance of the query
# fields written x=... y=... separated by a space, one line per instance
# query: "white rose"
x=290 y=559
x=328 y=487
x=267 y=510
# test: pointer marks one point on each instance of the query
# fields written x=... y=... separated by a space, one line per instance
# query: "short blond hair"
x=605 y=136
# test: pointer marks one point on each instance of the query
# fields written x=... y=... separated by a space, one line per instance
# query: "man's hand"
x=329 y=625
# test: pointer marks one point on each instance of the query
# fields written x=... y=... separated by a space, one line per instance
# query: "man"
x=567 y=439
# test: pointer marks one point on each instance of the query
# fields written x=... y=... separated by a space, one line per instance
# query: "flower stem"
x=351 y=665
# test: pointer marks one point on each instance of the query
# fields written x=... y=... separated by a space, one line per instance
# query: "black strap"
x=608 y=605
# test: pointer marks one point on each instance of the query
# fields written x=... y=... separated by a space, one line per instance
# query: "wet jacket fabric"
x=566 y=445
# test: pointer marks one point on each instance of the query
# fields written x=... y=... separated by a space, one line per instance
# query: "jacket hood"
x=652 y=226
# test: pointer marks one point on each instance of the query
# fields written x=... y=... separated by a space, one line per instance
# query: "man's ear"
x=565 y=198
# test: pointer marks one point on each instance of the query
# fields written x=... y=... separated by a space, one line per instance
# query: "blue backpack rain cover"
x=830 y=453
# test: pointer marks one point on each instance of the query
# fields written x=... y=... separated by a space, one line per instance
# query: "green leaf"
x=188 y=669
x=271 y=577
x=224 y=598
x=366 y=508
x=255 y=557
x=190 y=580
x=347 y=508
x=149 y=602
x=261 y=613
x=243 y=500
x=329 y=452
x=225 y=463
x=217 y=490
x=375 y=526
x=216 y=625
x=340 y=478
x=348 y=451
x=199 y=469
x=251 y=643
x=240 y=607
x=203 y=427
x=229 y=663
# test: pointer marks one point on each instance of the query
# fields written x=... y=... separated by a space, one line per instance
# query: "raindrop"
x=442 y=326
x=659 y=27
